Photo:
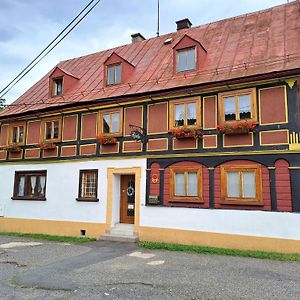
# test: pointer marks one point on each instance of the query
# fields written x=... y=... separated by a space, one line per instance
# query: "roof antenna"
x=157 y=33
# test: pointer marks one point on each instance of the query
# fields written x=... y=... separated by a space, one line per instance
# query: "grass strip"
x=54 y=238
x=221 y=251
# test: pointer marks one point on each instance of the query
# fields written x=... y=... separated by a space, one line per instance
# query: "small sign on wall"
x=154 y=178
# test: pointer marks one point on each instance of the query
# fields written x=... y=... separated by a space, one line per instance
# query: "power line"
x=42 y=54
x=212 y=71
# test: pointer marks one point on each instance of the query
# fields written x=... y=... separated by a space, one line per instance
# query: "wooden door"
x=127 y=193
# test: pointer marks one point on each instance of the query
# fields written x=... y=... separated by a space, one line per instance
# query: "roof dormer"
x=60 y=82
x=188 y=55
x=117 y=70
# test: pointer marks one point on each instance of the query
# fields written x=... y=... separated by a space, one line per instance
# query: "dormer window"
x=57 y=86
x=113 y=74
x=186 y=59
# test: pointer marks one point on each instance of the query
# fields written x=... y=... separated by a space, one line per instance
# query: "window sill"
x=242 y=202
x=87 y=199
x=186 y=200
x=29 y=199
x=186 y=71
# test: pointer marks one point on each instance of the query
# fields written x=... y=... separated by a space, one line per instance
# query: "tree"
x=2 y=103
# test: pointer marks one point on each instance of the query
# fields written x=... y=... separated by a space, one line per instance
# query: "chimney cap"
x=184 y=23
x=137 y=37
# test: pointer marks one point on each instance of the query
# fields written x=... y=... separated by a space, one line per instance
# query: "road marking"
x=19 y=244
x=141 y=255
x=156 y=262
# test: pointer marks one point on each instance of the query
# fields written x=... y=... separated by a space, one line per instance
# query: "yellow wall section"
x=95 y=230
x=220 y=240
x=61 y=228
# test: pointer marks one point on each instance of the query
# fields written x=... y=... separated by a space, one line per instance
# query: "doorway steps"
x=121 y=232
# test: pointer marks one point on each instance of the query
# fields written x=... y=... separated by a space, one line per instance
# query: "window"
x=52 y=130
x=186 y=59
x=114 y=74
x=241 y=185
x=185 y=112
x=185 y=184
x=30 y=185
x=111 y=122
x=88 y=185
x=238 y=105
x=57 y=87
x=18 y=134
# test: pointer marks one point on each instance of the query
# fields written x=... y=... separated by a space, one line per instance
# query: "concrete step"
x=121 y=232
x=120 y=238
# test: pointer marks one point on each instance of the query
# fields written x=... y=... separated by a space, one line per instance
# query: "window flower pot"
x=14 y=149
x=47 y=146
x=237 y=127
x=187 y=133
x=106 y=140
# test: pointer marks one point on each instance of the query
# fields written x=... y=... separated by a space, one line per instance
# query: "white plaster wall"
x=253 y=223
x=62 y=190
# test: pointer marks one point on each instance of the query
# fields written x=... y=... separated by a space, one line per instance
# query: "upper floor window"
x=18 y=134
x=57 y=86
x=30 y=185
x=88 y=185
x=238 y=105
x=186 y=59
x=241 y=184
x=114 y=74
x=51 y=129
x=111 y=122
x=185 y=184
x=185 y=112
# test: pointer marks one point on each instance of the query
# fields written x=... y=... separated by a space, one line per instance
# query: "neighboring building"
x=69 y=164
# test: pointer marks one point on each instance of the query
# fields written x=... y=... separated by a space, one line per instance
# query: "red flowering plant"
x=13 y=147
x=237 y=127
x=105 y=139
x=185 y=132
x=47 y=145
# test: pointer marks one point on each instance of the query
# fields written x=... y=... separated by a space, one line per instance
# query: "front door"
x=127 y=199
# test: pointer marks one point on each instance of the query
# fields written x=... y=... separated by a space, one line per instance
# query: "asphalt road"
x=110 y=270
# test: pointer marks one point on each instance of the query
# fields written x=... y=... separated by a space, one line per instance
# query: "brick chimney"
x=137 y=37
x=184 y=23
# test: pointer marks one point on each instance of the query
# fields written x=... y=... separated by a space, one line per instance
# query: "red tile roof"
x=257 y=43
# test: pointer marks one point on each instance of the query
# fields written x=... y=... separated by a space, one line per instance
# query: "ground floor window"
x=241 y=185
x=88 y=185
x=185 y=184
x=30 y=185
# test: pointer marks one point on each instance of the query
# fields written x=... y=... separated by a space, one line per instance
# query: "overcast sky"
x=27 y=26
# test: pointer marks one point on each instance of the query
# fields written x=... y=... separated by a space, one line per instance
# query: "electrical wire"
x=55 y=41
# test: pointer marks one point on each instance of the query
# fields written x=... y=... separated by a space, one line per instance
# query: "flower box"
x=187 y=133
x=47 y=146
x=106 y=139
x=13 y=148
x=237 y=127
